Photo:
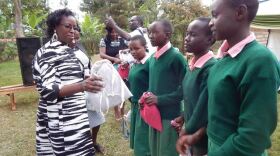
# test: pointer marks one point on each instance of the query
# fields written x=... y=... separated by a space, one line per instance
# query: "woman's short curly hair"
x=55 y=18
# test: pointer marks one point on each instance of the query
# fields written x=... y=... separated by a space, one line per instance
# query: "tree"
x=18 y=18
x=6 y=16
x=34 y=15
x=27 y=7
x=121 y=10
x=92 y=31
x=148 y=10
x=181 y=13
x=64 y=3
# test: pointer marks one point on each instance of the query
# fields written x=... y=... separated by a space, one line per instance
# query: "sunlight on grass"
x=17 y=135
x=10 y=73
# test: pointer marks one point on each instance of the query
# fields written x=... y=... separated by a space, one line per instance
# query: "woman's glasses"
x=70 y=27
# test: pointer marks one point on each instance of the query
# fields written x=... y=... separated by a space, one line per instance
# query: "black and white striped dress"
x=62 y=123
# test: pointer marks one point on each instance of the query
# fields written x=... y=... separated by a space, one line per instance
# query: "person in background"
x=95 y=118
x=242 y=85
x=198 y=41
x=136 y=27
x=167 y=68
x=139 y=82
x=62 y=120
x=109 y=48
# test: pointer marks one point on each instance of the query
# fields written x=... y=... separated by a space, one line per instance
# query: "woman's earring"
x=54 y=37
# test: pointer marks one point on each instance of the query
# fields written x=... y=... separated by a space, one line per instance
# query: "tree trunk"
x=18 y=18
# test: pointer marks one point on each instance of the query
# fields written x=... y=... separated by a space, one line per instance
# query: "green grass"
x=10 y=73
x=17 y=137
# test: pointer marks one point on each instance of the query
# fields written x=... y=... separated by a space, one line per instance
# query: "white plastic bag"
x=115 y=91
x=126 y=56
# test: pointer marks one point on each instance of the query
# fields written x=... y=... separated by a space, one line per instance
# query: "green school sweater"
x=242 y=105
x=195 y=97
x=165 y=78
x=139 y=80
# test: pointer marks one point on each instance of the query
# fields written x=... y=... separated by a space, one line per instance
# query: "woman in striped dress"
x=62 y=121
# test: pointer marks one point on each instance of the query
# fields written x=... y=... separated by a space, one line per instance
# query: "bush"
x=92 y=31
x=9 y=52
x=180 y=14
x=2 y=46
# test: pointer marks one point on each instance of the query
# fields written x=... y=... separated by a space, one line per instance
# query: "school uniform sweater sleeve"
x=179 y=70
x=257 y=83
x=198 y=118
x=257 y=121
x=165 y=79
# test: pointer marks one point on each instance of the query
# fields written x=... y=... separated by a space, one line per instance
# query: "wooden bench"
x=11 y=90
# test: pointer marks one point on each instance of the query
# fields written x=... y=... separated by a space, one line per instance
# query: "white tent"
x=269 y=7
x=268 y=17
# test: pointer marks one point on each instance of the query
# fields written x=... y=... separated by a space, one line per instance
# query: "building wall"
x=261 y=35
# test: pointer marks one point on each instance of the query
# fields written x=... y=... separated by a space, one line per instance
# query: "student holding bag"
x=139 y=83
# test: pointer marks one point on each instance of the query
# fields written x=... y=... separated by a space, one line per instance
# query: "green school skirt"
x=163 y=143
x=139 y=133
x=212 y=147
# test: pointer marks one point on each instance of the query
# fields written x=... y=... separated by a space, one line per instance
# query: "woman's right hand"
x=93 y=84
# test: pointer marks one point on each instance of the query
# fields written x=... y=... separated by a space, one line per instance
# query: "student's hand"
x=198 y=135
x=141 y=105
x=124 y=64
x=177 y=123
x=92 y=84
x=195 y=137
x=151 y=99
x=181 y=145
x=117 y=61
x=110 y=22
x=182 y=132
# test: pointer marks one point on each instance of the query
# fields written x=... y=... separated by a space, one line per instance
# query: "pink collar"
x=162 y=50
x=201 y=61
x=143 y=60
x=236 y=49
